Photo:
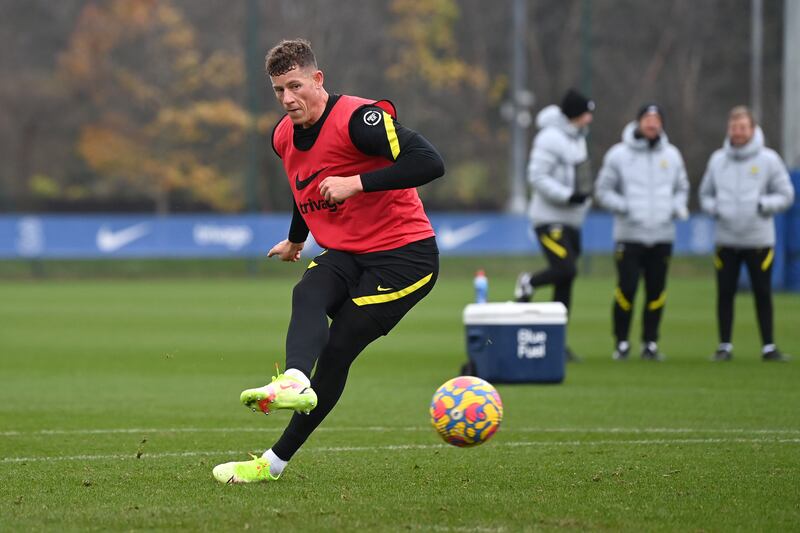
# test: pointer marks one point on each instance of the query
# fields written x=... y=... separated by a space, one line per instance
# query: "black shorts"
x=386 y=284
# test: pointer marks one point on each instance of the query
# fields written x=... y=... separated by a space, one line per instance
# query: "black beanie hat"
x=574 y=104
x=650 y=108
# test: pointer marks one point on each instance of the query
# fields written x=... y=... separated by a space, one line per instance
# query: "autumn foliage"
x=163 y=118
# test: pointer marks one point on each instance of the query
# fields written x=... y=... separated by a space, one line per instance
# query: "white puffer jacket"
x=645 y=187
x=743 y=188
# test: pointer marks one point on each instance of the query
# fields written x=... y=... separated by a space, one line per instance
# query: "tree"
x=164 y=120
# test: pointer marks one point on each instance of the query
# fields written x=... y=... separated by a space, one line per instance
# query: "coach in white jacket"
x=559 y=175
x=643 y=182
x=744 y=186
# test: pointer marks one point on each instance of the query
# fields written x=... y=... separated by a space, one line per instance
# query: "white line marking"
x=390 y=429
x=401 y=447
x=466 y=529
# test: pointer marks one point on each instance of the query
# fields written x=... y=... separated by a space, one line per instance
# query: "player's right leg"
x=351 y=331
x=628 y=262
x=322 y=289
x=656 y=264
x=727 y=263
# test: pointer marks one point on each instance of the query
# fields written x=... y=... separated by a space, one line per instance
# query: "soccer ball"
x=466 y=411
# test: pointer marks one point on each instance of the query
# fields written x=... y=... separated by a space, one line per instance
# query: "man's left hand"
x=336 y=189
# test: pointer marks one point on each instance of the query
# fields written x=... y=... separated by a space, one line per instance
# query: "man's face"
x=740 y=131
x=650 y=125
x=583 y=120
x=300 y=93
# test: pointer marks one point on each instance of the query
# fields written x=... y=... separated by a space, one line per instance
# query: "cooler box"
x=517 y=342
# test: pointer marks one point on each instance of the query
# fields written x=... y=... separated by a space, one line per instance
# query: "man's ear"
x=318 y=78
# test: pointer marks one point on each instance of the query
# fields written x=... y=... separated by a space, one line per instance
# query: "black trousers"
x=365 y=295
x=562 y=247
x=728 y=263
x=633 y=259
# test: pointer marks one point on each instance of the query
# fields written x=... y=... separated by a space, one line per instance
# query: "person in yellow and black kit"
x=559 y=175
x=353 y=172
x=744 y=186
x=643 y=182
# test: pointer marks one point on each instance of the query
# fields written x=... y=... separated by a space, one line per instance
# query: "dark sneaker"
x=570 y=356
x=621 y=352
x=722 y=355
x=650 y=352
x=775 y=355
x=523 y=291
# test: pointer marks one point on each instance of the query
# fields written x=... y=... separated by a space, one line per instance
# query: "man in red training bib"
x=353 y=171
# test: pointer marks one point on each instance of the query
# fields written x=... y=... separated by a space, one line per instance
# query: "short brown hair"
x=289 y=54
x=742 y=111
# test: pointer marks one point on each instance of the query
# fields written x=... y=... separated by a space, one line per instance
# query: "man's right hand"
x=287 y=250
x=577 y=198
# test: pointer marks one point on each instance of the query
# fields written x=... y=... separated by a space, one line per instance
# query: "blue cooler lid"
x=512 y=313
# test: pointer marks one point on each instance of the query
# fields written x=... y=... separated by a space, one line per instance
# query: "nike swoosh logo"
x=382 y=289
x=302 y=184
x=110 y=241
x=450 y=238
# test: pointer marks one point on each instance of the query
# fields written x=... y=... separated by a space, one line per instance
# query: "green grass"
x=141 y=378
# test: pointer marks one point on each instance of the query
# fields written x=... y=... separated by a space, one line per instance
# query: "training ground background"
x=119 y=387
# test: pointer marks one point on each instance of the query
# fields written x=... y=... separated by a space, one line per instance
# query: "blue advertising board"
x=791 y=229
x=186 y=236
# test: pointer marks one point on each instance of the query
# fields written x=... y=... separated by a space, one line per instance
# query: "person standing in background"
x=744 y=186
x=560 y=177
x=643 y=182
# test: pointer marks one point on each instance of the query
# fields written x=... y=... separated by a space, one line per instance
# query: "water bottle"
x=481 y=287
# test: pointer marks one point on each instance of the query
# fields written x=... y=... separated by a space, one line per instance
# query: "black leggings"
x=728 y=263
x=319 y=293
x=562 y=247
x=653 y=261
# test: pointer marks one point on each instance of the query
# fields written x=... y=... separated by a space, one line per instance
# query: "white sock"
x=298 y=375
x=276 y=464
x=768 y=348
x=652 y=346
x=725 y=347
x=623 y=346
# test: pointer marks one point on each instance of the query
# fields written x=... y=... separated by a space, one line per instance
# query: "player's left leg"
x=562 y=288
x=568 y=267
x=656 y=265
x=759 y=267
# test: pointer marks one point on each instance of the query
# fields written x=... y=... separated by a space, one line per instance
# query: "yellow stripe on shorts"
x=553 y=246
x=313 y=263
x=392 y=296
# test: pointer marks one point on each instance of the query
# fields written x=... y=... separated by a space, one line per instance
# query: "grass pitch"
x=117 y=397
